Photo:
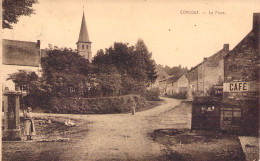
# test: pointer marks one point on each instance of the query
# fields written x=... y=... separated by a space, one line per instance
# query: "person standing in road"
x=29 y=129
x=133 y=106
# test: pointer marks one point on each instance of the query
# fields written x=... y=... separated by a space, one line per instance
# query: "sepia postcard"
x=134 y=80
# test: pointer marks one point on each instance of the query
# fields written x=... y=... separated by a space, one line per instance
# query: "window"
x=82 y=46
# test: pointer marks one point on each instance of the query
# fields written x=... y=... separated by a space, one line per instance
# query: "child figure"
x=29 y=129
x=133 y=106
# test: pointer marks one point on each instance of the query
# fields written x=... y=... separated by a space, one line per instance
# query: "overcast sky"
x=172 y=37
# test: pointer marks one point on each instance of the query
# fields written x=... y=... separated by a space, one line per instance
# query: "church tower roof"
x=83 y=35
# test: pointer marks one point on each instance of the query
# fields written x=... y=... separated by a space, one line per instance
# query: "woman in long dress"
x=29 y=130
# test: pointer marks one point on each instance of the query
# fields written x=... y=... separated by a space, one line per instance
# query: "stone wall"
x=162 y=87
x=193 y=79
x=183 y=82
x=242 y=65
x=211 y=72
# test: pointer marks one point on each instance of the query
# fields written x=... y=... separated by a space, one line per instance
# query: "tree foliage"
x=119 y=70
x=36 y=88
x=68 y=73
x=133 y=63
x=13 y=9
x=109 y=81
x=146 y=62
x=23 y=78
x=175 y=70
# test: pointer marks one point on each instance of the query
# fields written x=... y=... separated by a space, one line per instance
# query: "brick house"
x=19 y=55
x=241 y=83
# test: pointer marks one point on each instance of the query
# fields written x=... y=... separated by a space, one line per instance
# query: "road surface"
x=108 y=137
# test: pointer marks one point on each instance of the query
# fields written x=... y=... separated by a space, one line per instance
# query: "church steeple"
x=83 y=35
x=84 y=44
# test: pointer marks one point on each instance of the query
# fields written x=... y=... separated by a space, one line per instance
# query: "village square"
x=66 y=96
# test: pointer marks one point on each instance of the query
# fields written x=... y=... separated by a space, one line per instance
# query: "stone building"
x=162 y=85
x=172 y=86
x=211 y=71
x=175 y=85
x=182 y=83
x=19 y=55
x=84 y=44
x=192 y=76
x=208 y=73
x=241 y=83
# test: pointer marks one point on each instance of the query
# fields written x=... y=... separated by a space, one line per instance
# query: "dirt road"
x=124 y=136
x=106 y=137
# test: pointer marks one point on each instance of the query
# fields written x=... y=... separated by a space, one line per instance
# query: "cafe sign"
x=236 y=87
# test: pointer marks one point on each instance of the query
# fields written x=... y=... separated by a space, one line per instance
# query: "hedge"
x=180 y=95
x=152 y=94
x=103 y=105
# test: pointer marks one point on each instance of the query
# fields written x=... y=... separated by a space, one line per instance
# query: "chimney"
x=205 y=59
x=38 y=44
x=226 y=47
x=256 y=21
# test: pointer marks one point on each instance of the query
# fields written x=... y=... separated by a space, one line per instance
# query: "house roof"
x=172 y=78
x=83 y=35
x=167 y=78
x=213 y=59
x=160 y=72
x=22 y=53
x=252 y=39
x=248 y=41
x=192 y=68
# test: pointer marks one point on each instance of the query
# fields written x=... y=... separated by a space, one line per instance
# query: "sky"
x=173 y=38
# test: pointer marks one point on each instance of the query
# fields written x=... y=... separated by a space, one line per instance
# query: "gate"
x=205 y=114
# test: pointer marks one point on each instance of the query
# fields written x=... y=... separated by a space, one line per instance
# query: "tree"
x=177 y=71
x=68 y=73
x=133 y=63
x=109 y=81
x=147 y=63
x=23 y=78
x=13 y=9
x=37 y=90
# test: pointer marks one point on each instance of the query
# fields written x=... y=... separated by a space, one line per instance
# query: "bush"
x=152 y=95
x=103 y=105
x=180 y=95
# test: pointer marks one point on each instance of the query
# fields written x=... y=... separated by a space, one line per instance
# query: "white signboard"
x=236 y=87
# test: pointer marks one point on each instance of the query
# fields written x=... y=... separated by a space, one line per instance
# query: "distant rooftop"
x=22 y=53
